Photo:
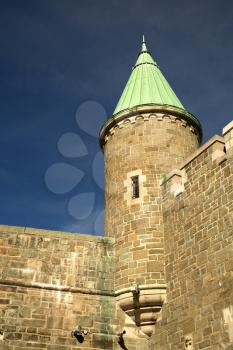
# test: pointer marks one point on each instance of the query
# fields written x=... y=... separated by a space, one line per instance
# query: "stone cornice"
x=145 y=112
x=50 y=234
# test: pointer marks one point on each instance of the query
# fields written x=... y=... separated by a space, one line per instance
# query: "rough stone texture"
x=50 y=282
x=199 y=258
x=151 y=146
x=46 y=279
x=55 y=258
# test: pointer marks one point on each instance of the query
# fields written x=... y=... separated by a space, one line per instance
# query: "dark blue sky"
x=58 y=56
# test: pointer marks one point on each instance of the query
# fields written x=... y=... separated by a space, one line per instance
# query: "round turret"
x=149 y=135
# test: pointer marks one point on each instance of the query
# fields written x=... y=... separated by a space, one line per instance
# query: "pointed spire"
x=146 y=84
x=144 y=48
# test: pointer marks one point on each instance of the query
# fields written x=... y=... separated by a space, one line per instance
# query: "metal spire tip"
x=144 y=48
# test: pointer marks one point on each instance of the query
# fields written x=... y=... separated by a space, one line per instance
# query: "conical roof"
x=146 y=85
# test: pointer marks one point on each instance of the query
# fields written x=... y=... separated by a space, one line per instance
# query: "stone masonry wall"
x=198 y=223
x=55 y=258
x=149 y=146
x=50 y=282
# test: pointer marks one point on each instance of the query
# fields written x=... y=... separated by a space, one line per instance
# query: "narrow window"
x=135 y=186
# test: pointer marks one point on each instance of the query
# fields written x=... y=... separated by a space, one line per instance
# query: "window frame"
x=135 y=187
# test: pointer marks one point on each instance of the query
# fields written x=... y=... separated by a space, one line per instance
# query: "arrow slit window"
x=135 y=186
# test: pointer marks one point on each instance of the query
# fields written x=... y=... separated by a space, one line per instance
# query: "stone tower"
x=149 y=134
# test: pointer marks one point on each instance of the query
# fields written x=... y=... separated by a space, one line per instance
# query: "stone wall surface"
x=51 y=282
x=56 y=258
x=150 y=145
x=198 y=255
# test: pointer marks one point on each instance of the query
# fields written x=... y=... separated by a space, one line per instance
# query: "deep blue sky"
x=57 y=55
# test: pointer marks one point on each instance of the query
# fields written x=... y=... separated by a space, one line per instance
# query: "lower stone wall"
x=43 y=319
x=52 y=282
x=199 y=259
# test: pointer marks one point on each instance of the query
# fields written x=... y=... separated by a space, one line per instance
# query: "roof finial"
x=144 y=48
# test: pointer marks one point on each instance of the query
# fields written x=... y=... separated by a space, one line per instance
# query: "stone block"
x=228 y=137
x=102 y=341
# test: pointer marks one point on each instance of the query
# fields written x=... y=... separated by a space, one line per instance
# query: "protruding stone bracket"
x=176 y=180
x=228 y=138
x=218 y=154
x=142 y=304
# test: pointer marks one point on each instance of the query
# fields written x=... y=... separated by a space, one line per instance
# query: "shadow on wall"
x=121 y=341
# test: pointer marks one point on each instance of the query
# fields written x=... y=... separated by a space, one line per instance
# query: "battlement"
x=214 y=152
x=197 y=202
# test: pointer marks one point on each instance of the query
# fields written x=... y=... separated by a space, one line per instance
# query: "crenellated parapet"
x=145 y=113
x=214 y=151
x=197 y=211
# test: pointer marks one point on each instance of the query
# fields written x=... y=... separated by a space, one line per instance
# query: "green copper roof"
x=146 y=84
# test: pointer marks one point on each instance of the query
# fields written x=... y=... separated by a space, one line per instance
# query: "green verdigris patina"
x=147 y=85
